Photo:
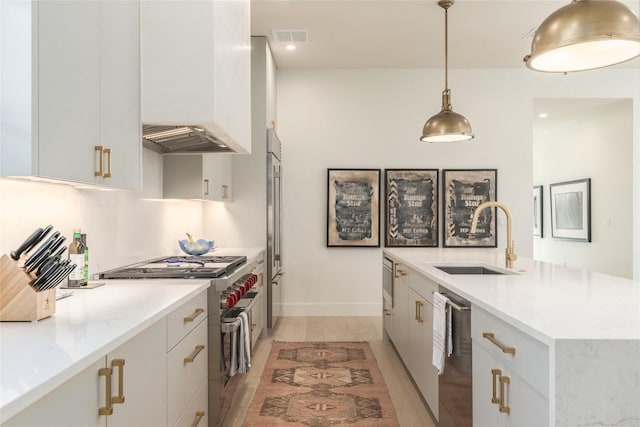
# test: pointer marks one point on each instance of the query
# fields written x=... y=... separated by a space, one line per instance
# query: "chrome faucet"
x=510 y=255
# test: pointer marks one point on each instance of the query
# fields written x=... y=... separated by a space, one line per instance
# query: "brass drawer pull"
x=119 y=363
x=495 y=373
x=199 y=416
x=504 y=409
x=108 y=408
x=206 y=187
x=225 y=191
x=491 y=337
x=195 y=314
x=420 y=305
x=107 y=151
x=400 y=273
x=387 y=312
x=192 y=357
x=100 y=150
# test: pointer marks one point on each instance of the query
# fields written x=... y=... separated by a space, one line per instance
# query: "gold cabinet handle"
x=199 y=416
x=420 y=305
x=495 y=373
x=108 y=408
x=491 y=337
x=225 y=191
x=196 y=351
x=196 y=313
x=253 y=326
x=261 y=261
x=503 y=408
x=206 y=187
x=387 y=312
x=416 y=311
x=400 y=273
x=119 y=363
x=100 y=150
x=107 y=151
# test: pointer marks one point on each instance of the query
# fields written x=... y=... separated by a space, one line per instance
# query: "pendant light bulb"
x=585 y=35
x=446 y=126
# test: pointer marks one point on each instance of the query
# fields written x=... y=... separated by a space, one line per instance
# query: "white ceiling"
x=405 y=33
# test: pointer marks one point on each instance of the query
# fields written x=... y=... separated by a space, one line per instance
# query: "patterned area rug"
x=321 y=384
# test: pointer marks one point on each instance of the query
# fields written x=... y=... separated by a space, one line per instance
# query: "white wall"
x=596 y=143
x=122 y=226
x=372 y=119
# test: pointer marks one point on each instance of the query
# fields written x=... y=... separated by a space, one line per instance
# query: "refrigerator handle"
x=278 y=237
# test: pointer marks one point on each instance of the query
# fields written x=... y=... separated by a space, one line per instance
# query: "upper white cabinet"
x=197 y=176
x=71 y=91
x=196 y=67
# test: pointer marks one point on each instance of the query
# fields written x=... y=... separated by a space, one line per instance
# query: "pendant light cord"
x=446 y=49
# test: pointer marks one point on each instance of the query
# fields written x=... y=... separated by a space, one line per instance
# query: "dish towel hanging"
x=244 y=344
x=441 y=331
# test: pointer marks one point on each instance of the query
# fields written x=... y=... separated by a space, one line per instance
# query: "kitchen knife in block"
x=18 y=300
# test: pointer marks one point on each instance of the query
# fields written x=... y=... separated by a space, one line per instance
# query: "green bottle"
x=76 y=255
x=83 y=241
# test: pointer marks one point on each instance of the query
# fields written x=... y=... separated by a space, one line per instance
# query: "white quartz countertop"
x=549 y=302
x=36 y=357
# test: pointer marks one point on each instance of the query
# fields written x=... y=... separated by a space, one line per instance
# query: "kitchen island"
x=578 y=335
x=38 y=357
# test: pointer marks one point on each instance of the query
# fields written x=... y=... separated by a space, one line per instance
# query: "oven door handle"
x=229 y=325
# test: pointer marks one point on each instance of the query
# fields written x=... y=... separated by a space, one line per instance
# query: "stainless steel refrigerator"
x=274 y=229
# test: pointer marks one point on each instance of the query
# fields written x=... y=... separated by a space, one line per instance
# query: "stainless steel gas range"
x=235 y=284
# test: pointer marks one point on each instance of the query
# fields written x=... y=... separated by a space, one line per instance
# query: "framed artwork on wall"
x=353 y=207
x=571 y=210
x=411 y=207
x=537 y=211
x=462 y=192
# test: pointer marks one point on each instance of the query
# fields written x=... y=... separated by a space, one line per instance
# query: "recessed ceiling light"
x=543 y=115
x=290 y=47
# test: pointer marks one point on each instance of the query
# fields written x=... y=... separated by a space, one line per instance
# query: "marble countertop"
x=547 y=301
x=38 y=356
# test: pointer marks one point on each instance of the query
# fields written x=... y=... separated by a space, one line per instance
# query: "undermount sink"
x=467 y=269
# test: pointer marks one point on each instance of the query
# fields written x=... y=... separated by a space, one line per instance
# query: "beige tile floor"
x=409 y=407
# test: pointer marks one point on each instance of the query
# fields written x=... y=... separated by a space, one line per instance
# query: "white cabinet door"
x=217 y=177
x=73 y=404
x=401 y=313
x=120 y=129
x=496 y=386
x=143 y=379
x=420 y=354
x=68 y=90
x=257 y=317
x=77 y=402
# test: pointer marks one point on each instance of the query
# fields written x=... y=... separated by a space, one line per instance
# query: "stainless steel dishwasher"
x=454 y=385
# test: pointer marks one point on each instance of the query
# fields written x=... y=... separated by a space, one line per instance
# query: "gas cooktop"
x=178 y=267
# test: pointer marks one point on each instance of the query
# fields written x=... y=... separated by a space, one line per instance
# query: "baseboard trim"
x=332 y=309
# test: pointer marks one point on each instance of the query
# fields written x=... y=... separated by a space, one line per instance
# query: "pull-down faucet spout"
x=510 y=255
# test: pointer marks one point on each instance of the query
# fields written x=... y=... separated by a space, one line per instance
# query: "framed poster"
x=571 y=210
x=411 y=207
x=537 y=211
x=462 y=192
x=353 y=207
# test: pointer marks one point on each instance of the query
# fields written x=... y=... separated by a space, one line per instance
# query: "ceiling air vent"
x=291 y=36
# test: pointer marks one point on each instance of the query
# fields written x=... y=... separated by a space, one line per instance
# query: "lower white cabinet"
x=142 y=383
x=134 y=371
x=400 y=332
x=510 y=375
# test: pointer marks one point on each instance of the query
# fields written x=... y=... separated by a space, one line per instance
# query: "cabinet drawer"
x=423 y=286
x=531 y=358
x=185 y=376
x=196 y=414
x=182 y=320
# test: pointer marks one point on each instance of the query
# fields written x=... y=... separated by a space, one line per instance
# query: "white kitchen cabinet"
x=257 y=316
x=197 y=176
x=400 y=336
x=197 y=67
x=71 y=105
x=419 y=356
x=79 y=401
x=510 y=374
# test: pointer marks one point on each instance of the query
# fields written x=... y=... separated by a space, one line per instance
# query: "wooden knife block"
x=18 y=300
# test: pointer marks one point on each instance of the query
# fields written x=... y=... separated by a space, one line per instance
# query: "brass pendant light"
x=446 y=126
x=585 y=35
